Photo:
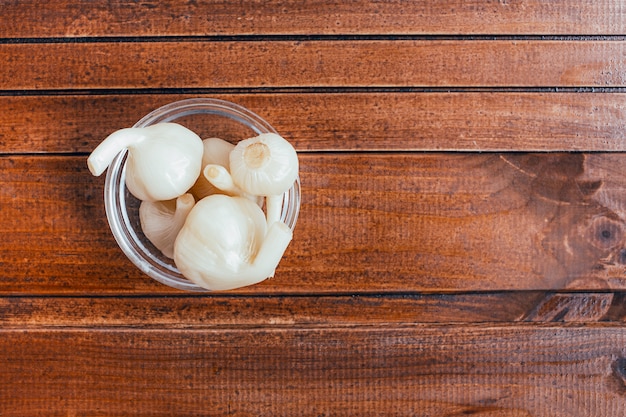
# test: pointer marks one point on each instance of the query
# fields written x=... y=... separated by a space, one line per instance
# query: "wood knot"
x=571 y=307
x=619 y=371
x=605 y=233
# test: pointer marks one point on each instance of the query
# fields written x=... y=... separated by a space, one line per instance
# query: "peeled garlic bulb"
x=225 y=243
x=216 y=152
x=164 y=160
x=264 y=165
x=162 y=220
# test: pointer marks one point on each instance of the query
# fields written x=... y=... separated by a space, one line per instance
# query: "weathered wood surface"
x=461 y=247
x=184 y=311
x=369 y=223
x=344 y=121
x=326 y=63
x=524 y=370
x=60 y=18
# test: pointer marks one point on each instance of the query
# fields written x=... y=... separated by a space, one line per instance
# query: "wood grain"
x=372 y=63
x=234 y=311
x=357 y=121
x=439 y=265
x=572 y=307
x=246 y=312
x=368 y=223
x=507 y=370
x=217 y=17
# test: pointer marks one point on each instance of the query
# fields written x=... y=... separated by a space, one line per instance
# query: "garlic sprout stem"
x=103 y=155
x=216 y=151
x=273 y=208
x=221 y=179
x=271 y=251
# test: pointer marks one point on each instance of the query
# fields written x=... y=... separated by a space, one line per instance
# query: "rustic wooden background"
x=461 y=248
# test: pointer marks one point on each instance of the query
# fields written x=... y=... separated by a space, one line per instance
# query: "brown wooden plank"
x=381 y=63
x=581 y=307
x=368 y=223
x=521 y=370
x=254 y=311
x=219 y=311
x=513 y=221
x=477 y=121
x=174 y=17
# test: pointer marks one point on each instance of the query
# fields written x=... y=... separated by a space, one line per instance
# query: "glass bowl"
x=207 y=117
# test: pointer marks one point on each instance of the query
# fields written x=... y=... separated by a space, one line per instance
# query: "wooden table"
x=461 y=246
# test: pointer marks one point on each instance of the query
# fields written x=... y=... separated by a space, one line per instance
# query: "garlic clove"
x=224 y=245
x=161 y=221
x=215 y=151
x=164 y=160
x=264 y=165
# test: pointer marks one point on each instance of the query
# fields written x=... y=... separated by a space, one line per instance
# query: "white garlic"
x=162 y=220
x=264 y=165
x=216 y=152
x=221 y=179
x=225 y=243
x=164 y=160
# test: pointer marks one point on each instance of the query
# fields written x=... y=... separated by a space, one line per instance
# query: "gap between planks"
x=310 y=38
